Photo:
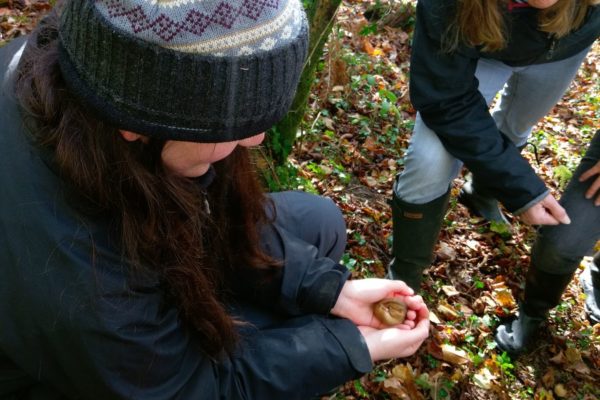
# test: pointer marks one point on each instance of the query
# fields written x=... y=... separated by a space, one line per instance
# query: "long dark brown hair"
x=161 y=219
x=489 y=31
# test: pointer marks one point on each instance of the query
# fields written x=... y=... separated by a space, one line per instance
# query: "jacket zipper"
x=206 y=206
x=550 y=53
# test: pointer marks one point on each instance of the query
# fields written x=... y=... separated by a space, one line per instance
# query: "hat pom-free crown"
x=203 y=71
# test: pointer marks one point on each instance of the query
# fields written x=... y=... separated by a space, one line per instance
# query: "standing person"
x=139 y=256
x=464 y=52
x=557 y=253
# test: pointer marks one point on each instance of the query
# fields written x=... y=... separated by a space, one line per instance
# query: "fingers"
x=394 y=342
x=422 y=314
x=595 y=170
x=546 y=212
x=406 y=326
x=539 y=217
x=592 y=190
x=415 y=302
x=401 y=289
x=555 y=209
x=375 y=289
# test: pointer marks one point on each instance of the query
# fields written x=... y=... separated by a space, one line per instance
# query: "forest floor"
x=355 y=134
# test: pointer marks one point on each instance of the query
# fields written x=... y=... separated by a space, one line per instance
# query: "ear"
x=130 y=136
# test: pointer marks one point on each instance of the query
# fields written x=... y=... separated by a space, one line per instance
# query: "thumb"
x=556 y=210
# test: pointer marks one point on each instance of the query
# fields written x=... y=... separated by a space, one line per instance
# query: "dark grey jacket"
x=443 y=88
x=70 y=326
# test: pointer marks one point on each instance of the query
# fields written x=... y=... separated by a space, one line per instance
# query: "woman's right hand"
x=397 y=342
x=546 y=212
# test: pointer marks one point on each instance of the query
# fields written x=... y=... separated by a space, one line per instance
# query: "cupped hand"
x=387 y=343
x=546 y=212
x=357 y=298
x=595 y=186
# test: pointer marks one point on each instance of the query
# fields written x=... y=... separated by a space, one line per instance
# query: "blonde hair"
x=490 y=31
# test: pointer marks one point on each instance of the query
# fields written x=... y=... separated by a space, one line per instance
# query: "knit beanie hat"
x=191 y=70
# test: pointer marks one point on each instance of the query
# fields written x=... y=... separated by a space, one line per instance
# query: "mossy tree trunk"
x=321 y=16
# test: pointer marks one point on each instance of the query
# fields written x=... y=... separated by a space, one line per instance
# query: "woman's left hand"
x=357 y=298
x=595 y=186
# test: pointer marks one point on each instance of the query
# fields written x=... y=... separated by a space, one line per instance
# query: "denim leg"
x=314 y=219
x=428 y=167
x=559 y=249
x=492 y=76
x=530 y=94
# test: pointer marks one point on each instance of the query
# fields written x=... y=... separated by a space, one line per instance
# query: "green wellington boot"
x=542 y=293
x=416 y=230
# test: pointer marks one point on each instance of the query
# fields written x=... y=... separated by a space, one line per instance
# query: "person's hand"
x=593 y=189
x=546 y=212
x=387 y=343
x=357 y=298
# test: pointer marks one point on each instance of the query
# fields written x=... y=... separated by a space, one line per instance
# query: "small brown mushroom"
x=390 y=311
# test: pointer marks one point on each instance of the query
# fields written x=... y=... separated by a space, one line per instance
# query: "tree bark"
x=321 y=17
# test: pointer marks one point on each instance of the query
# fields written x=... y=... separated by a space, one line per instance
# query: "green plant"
x=505 y=363
x=563 y=175
x=348 y=262
x=360 y=389
x=278 y=178
x=501 y=229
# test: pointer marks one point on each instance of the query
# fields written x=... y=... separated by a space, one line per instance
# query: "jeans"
x=527 y=94
x=559 y=249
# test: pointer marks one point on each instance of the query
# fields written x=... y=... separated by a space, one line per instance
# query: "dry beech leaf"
x=445 y=252
x=543 y=394
x=473 y=245
x=504 y=298
x=407 y=376
x=447 y=312
x=572 y=355
x=372 y=145
x=580 y=367
x=483 y=379
x=450 y=290
x=560 y=390
x=434 y=318
x=452 y=354
x=368 y=47
x=559 y=358
x=479 y=305
x=328 y=123
x=394 y=386
x=548 y=378
x=369 y=181
x=465 y=310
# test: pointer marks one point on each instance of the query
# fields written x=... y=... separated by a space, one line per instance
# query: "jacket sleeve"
x=91 y=336
x=444 y=89
x=305 y=283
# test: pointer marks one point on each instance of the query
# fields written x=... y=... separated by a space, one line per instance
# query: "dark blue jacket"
x=443 y=88
x=71 y=327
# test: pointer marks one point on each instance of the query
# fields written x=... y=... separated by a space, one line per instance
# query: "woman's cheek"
x=253 y=140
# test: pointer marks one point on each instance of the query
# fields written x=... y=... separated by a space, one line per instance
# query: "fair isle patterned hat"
x=191 y=70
